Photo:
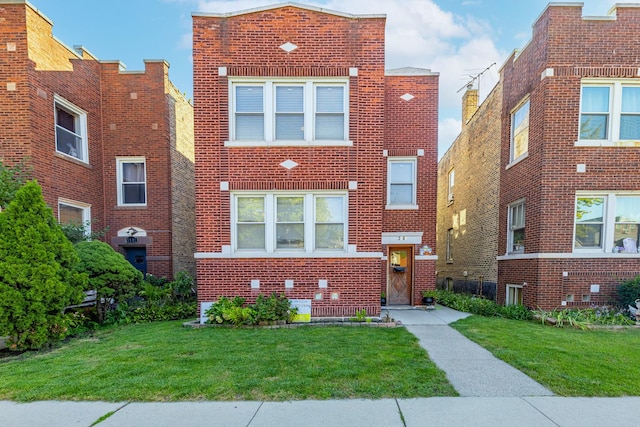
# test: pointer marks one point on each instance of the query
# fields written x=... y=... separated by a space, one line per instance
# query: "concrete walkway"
x=472 y=370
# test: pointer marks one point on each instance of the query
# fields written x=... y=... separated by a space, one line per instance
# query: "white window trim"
x=119 y=163
x=414 y=196
x=82 y=127
x=86 y=212
x=270 y=224
x=269 y=112
x=615 y=109
x=513 y=160
x=451 y=185
x=609 y=223
x=508 y=288
x=510 y=207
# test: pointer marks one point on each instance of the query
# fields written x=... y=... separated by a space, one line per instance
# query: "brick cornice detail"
x=239 y=71
x=596 y=71
x=288 y=185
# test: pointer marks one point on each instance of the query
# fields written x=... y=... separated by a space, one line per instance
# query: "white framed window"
x=288 y=111
x=452 y=181
x=289 y=222
x=519 y=131
x=71 y=129
x=75 y=213
x=609 y=112
x=514 y=295
x=401 y=183
x=132 y=181
x=516 y=236
x=607 y=222
x=450 y=237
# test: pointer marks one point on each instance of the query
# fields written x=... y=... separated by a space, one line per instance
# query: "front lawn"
x=167 y=362
x=568 y=361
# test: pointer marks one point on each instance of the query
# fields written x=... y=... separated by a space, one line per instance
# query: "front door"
x=399 y=275
x=138 y=258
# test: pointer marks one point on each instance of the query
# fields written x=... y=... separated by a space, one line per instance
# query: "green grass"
x=568 y=361
x=167 y=362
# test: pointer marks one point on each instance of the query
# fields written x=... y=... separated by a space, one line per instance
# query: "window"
x=520 y=131
x=75 y=213
x=607 y=223
x=288 y=111
x=450 y=245
x=516 y=227
x=610 y=111
x=71 y=129
x=401 y=183
x=514 y=295
x=132 y=181
x=452 y=179
x=305 y=222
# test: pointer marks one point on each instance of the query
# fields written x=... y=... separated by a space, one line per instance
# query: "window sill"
x=401 y=207
x=72 y=159
x=136 y=207
x=316 y=143
x=602 y=143
x=514 y=162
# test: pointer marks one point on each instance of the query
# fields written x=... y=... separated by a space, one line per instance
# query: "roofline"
x=285 y=4
x=410 y=71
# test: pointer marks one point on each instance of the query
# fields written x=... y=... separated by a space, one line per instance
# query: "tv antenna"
x=469 y=84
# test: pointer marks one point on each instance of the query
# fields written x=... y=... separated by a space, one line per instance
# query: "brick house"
x=468 y=195
x=569 y=197
x=315 y=169
x=108 y=146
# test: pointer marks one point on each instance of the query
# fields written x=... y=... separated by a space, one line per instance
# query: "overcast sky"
x=458 y=39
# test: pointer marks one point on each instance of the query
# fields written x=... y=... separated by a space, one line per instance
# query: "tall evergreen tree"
x=37 y=272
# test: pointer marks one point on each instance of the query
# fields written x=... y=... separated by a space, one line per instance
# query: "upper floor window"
x=132 y=181
x=452 y=181
x=516 y=227
x=401 y=183
x=520 y=131
x=607 y=223
x=450 y=237
x=71 y=129
x=289 y=111
x=282 y=222
x=610 y=112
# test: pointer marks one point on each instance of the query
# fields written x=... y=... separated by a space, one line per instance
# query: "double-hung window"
x=609 y=112
x=516 y=236
x=286 y=111
x=71 y=129
x=401 y=183
x=520 y=131
x=75 y=213
x=607 y=223
x=132 y=181
x=289 y=222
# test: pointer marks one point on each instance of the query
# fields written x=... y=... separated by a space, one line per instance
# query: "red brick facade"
x=128 y=114
x=565 y=53
x=332 y=48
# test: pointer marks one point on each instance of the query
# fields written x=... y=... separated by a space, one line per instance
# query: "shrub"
x=37 y=272
x=628 y=291
x=482 y=306
x=272 y=308
x=110 y=274
x=11 y=179
x=266 y=309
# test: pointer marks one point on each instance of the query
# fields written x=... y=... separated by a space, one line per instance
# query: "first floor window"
x=607 y=222
x=132 y=181
x=450 y=245
x=71 y=129
x=284 y=222
x=514 y=295
x=75 y=214
x=516 y=227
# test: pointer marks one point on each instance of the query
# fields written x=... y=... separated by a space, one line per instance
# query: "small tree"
x=110 y=274
x=37 y=272
x=628 y=292
x=11 y=179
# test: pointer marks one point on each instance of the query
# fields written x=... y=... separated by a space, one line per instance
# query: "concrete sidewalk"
x=472 y=370
x=435 y=411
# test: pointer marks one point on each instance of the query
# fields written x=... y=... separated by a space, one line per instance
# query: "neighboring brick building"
x=569 y=206
x=468 y=195
x=108 y=146
x=313 y=167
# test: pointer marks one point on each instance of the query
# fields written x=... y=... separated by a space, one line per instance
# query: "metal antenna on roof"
x=469 y=84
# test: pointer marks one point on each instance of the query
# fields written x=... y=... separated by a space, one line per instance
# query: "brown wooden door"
x=399 y=275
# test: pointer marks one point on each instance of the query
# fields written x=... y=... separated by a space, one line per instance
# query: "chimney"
x=469 y=104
